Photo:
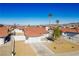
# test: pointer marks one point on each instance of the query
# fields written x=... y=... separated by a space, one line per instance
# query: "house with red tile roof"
x=3 y=31
x=74 y=30
x=34 y=31
x=70 y=31
x=71 y=34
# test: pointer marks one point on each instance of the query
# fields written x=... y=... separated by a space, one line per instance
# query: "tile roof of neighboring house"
x=3 y=31
x=76 y=30
x=34 y=31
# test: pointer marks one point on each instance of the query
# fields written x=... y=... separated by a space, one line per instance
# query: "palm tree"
x=57 y=22
x=49 y=16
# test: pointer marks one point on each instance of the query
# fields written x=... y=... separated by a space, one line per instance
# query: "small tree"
x=57 y=31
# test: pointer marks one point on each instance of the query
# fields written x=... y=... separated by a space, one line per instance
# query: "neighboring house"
x=3 y=34
x=33 y=31
x=5 y=49
x=19 y=34
x=71 y=33
x=17 y=31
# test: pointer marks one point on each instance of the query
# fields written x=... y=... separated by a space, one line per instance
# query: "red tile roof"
x=70 y=30
x=3 y=31
x=34 y=31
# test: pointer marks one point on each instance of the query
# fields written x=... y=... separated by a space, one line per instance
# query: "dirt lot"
x=61 y=46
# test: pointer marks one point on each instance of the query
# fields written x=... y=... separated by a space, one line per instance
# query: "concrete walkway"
x=41 y=49
x=38 y=46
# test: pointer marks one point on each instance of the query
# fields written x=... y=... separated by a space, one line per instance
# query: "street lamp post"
x=14 y=52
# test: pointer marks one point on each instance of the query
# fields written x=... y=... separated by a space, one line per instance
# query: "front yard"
x=62 y=46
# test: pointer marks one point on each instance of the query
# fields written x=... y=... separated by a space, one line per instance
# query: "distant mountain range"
x=77 y=23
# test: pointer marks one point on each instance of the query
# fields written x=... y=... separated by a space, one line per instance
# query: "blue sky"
x=26 y=13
